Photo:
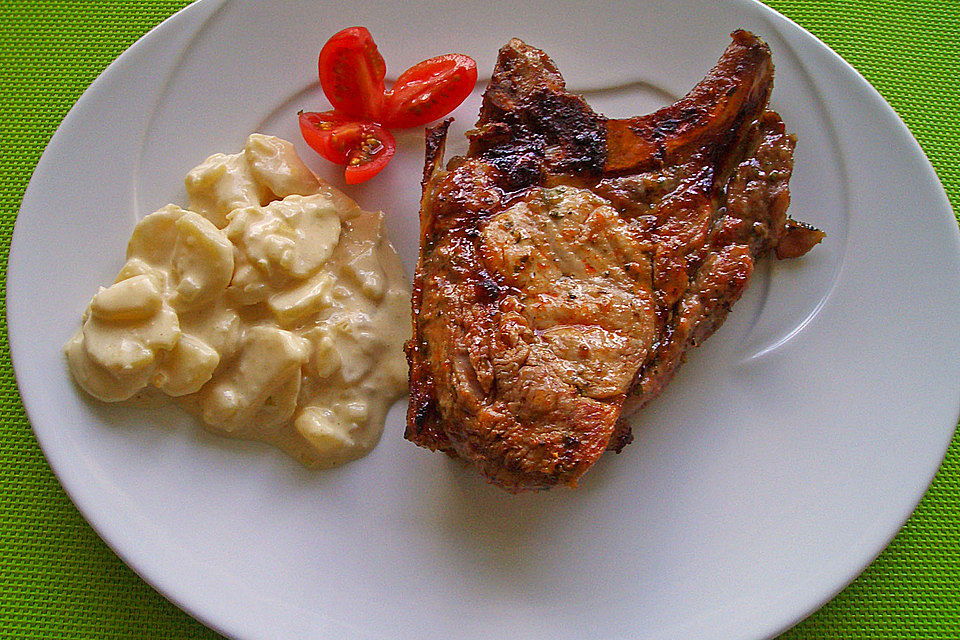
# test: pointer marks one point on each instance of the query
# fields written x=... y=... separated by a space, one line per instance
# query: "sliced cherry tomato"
x=351 y=74
x=429 y=90
x=364 y=147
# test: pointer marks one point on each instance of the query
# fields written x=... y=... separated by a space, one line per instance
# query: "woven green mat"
x=59 y=580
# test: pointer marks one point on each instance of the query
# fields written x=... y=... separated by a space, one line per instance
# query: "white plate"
x=783 y=458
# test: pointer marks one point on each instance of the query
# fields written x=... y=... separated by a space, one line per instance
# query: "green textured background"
x=59 y=580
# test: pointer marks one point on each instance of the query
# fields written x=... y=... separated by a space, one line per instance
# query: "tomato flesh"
x=364 y=147
x=317 y=127
x=429 y=90
x=351 y=73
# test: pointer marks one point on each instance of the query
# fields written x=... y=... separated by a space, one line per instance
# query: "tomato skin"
x=351 y=73
x=364 y=147
x=429 y=90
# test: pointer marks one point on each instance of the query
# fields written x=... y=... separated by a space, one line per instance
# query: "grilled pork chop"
x=569 y=260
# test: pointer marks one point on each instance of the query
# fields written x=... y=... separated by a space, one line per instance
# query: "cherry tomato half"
x=364 y=147
x=351 y=74
x=429 y=90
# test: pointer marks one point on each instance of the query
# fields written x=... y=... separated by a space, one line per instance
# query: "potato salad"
x=273 y=308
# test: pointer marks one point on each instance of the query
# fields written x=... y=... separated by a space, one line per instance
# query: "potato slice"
x=202 y=261
x=306 y=299
x=153 y=238
x=136 y=298
x=188 y=366
x=267 y=370
x=124 y=348
x=289 y=238
x=276 y=167
x=221 y=184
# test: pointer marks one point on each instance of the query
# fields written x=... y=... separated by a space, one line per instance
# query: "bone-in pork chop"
x=569 y=260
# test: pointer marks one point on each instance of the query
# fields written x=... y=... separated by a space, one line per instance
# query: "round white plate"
x=782 y=459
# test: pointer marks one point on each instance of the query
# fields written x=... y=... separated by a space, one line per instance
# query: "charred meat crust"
x=569 y=261
x=422 y=418
x=530 y=126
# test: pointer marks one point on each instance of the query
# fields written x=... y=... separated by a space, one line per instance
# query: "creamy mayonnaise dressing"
x=274 y=309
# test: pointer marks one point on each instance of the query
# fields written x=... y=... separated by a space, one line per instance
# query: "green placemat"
x=59 y=580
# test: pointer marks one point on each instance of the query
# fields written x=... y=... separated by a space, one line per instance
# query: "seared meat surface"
x=569 y=260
